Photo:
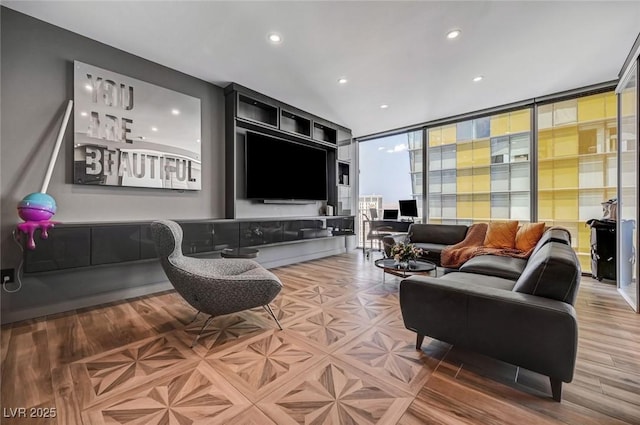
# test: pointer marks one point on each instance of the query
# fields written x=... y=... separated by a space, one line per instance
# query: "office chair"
x=377 y=231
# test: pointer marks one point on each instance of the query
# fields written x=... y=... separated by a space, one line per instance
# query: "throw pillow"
x=501 y=234
x=528 y=236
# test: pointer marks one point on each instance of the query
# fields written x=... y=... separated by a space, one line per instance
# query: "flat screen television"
x=277 y=169
x=408 y=208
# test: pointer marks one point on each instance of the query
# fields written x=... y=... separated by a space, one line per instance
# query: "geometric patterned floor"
x=344 y=357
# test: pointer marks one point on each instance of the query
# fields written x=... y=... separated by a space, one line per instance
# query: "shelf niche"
x=255 y=110
x=324 y=134
x=296 y=124
x=343 y=173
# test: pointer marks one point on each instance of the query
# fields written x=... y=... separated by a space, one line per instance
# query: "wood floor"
x=344 y=357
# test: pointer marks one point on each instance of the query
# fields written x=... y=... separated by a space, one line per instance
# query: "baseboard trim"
x=92 y=301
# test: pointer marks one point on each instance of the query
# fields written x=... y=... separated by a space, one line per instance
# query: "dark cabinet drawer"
x=64 y=249
x=115 y=244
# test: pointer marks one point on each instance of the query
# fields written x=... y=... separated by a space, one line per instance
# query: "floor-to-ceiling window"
x=390 y=170
x=479 y=170
x=577 y=168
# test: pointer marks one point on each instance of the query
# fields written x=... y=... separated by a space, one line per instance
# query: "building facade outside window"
x=483 y=169
x=577 y=164
x=479 y=169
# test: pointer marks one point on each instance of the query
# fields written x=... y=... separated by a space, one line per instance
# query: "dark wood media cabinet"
x=72 y=245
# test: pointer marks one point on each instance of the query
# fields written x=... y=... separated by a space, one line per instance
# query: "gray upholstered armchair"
x=213 y=286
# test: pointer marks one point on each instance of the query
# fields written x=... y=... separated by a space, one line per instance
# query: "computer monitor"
x=408 y=208
x=390 y=214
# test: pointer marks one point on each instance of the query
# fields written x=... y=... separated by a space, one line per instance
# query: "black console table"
x=72 y=245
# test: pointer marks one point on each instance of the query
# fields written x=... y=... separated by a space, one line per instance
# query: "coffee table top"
x=415 y=266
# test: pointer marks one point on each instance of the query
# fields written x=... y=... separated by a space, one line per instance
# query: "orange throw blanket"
x=453 y=256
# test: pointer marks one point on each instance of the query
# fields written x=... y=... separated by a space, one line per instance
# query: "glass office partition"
x=628 y=190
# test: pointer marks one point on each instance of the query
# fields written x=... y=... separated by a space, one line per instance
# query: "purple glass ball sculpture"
x=37 y=207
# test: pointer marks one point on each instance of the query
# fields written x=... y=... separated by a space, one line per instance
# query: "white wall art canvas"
x=132 y=133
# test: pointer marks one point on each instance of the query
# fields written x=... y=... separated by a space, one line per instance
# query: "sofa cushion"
x=501 y=234
x=476 y=279
x=444 y=234
x=493 y=265
x=528 y=236
x=552 y=272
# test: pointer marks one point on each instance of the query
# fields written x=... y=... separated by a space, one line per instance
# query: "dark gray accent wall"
x=37 y=81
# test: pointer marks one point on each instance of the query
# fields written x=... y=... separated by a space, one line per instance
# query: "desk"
x=381 y=227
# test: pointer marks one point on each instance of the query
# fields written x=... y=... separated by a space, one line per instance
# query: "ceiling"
x=391 y=52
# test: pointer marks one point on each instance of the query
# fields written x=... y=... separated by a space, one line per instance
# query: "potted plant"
x=403 y=253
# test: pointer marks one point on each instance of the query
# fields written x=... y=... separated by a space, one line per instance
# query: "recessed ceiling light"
x=275 y=38
x=385 y=106
x=478 y=78
x=84 y=114
x=453 y=34
x=88 y=87
x=197 y=140
x=154 y=128
x=175 y=112
x=343 y=80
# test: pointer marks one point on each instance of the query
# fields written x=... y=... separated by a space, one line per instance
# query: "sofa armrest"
x=537 y=333
x=391 y=240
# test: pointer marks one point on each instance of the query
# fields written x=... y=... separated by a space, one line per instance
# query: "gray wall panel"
x=37 y=80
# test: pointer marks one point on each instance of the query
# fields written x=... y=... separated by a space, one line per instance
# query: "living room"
x=94 y=332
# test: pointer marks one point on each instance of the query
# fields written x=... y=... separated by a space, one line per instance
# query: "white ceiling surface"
x=392 y=52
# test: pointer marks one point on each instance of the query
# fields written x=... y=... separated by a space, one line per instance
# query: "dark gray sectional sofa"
x=518 y=311
x=432 y=238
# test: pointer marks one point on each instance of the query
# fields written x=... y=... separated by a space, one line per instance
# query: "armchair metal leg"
x=194 y=318
x=201 y=330
x=267 y=307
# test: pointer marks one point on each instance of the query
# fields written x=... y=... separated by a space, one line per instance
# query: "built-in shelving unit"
x=247 y=110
